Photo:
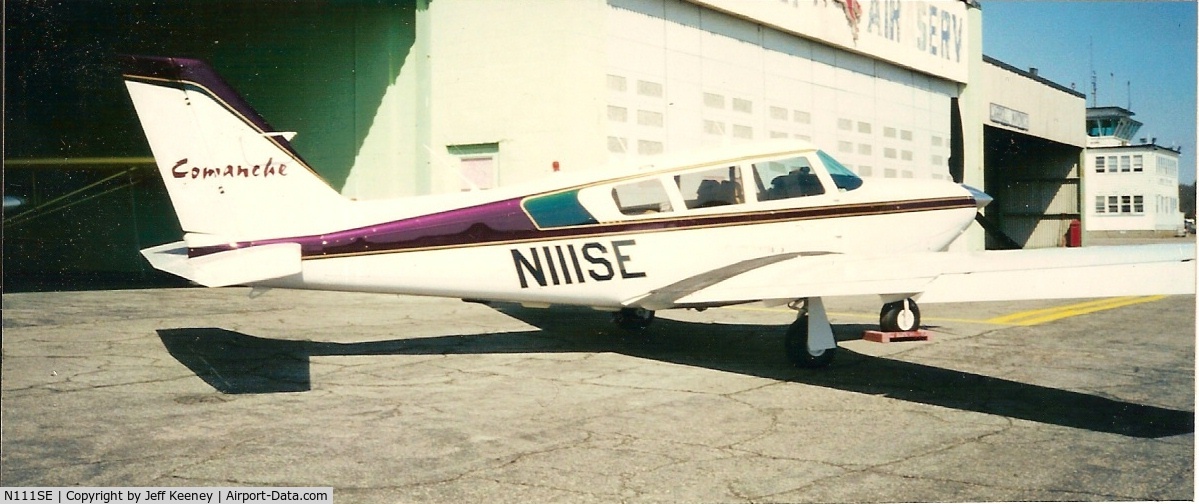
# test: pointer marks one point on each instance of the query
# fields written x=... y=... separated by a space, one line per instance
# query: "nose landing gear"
x=899 y=316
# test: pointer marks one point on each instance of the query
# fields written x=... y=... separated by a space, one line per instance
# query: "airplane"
x=779 y=223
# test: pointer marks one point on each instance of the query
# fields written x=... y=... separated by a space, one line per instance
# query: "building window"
x=1138 y=204
x=617 y=83
x=1138 y=163
x=618 y=114
x=1113 y=204
x=1125 y=166
x=713 y=100
x=650 y=118
x=1100 y=204
x=649 y=147
x=647 y=88
x=743 y=105
x=1125 y=204
x=1099 y=165
x=617 y=144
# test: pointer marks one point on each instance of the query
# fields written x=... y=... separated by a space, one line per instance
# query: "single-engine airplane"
x=779 y=223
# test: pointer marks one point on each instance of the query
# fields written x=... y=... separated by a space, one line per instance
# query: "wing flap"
x=232 y=267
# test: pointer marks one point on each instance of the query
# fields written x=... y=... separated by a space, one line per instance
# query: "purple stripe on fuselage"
x=182 y=71
x=492 y=222
x=505 y=222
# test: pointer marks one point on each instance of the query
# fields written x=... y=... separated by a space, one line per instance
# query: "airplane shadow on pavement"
x=237 y=363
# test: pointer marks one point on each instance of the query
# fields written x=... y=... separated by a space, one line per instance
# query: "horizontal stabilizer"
x=232 y=267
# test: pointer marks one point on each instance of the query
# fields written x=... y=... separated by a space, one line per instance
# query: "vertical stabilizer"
x=229 y=174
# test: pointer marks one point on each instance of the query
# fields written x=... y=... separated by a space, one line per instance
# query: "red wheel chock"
x=887 y=337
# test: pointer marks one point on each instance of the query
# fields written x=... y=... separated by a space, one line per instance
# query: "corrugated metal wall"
x=1036 y=186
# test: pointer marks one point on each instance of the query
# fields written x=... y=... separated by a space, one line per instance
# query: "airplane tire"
x=893 y=318
x=796 y=344
x=633 y=319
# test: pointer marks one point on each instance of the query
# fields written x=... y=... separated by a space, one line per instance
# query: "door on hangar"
x=1036 y=186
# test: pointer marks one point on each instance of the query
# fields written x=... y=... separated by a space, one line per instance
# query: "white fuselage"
x=608 y=270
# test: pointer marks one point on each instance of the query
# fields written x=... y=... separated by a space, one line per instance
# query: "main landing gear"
x=810 y=343
x=633 y=319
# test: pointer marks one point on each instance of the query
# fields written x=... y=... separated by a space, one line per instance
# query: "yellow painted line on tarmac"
x=1041 y=316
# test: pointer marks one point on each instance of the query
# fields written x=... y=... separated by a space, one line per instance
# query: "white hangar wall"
x=684 y=75
x=497 y=92
x=491 y=91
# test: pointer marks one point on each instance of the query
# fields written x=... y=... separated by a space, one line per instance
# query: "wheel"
x=633 y=319
x=797 y=347
x=899 y=316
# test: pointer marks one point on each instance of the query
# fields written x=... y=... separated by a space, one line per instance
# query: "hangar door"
x=1036 y=186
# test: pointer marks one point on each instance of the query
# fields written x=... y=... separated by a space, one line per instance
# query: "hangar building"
x=394 y=98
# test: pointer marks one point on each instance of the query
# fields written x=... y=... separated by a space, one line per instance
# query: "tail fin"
x=229 y=175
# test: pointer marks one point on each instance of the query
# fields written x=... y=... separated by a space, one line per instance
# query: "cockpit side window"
x=788 y=178
x=641 y=198
x=712 y=187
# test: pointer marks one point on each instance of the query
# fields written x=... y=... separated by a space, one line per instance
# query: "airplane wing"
x=942 y=277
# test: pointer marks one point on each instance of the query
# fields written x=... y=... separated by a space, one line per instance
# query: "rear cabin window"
x=710 y=188
x=558 y=210
x=641 y=198
x=787 y=178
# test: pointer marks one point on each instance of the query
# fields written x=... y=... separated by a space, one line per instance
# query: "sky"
x=1148 y=44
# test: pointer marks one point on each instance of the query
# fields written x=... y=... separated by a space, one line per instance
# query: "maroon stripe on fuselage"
x=505 y=222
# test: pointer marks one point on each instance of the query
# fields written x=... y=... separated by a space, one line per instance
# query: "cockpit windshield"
x=842 y=177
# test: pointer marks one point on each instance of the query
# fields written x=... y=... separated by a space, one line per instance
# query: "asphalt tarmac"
x=401 y=399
